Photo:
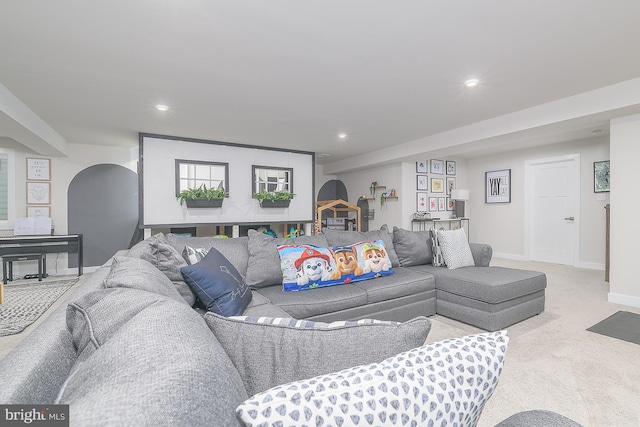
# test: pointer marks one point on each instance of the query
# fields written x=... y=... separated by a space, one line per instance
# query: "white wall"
x=502 y=225
x=63 y=169
x=625 y=231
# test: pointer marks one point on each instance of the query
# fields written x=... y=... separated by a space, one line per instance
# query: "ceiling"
x=294 y=74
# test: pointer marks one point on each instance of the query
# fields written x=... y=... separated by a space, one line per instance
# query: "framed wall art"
x=433 y=204
x=601 y=177
x=437 y=185
x=498 y=186
x=421 y=202
x=451 y=167
x=38 y=211
x=421 y=167
x=451 y=184
x=451 y=204
x=38 y=169
x=437 y=166
x=38 y=193
x=422 y=182
x=441 y=204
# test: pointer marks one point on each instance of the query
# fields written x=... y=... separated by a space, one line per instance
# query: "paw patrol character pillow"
x=308 y=267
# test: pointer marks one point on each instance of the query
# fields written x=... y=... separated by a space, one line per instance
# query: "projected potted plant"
x=202 y=197
x=274 y=199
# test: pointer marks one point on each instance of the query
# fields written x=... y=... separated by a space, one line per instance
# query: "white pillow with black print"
x=436 y=250
x=194 y=255
x=455 y=248
x=442 y=383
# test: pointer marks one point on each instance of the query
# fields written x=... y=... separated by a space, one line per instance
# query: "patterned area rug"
x=25 y=302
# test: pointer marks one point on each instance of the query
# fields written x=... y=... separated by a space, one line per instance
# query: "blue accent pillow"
x=309 y=267
x=217 y=283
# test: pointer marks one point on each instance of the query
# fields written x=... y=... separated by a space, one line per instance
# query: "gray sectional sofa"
x=127 y=348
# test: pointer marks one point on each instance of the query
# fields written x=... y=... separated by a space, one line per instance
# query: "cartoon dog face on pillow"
x=346 y=259
x=375 y=259
x=312 y=266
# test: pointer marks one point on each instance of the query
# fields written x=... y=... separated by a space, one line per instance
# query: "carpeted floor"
x=24 y=303
x=554 y=363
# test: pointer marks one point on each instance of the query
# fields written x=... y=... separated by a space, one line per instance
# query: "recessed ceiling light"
x=596 y=132
x=161 y=107
x=471 y=83
x=323 y=154
x=342 y=135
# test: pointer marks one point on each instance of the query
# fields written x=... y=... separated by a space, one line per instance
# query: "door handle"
x=569 y=218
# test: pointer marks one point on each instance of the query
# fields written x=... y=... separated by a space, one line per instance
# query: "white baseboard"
x=509 y=256
x=624 y=299
x=591 y=266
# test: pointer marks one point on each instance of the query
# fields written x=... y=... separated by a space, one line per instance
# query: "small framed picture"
x=437 y=166
x=433 y=204
x=601 y=177
x=38 y=193
x=437 y=185
x=423 y=182
x=451 y=167
x=441 y=204
x=451 y=204
x=451 y=184
x=421 y=167
x=421 y=202
x=498 y=186
x=38 y=169
x=38 y=211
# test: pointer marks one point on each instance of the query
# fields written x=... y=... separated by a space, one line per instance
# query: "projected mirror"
x=266 y=178
x=194 y=173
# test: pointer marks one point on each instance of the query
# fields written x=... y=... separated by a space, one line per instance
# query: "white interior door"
x=553 y=209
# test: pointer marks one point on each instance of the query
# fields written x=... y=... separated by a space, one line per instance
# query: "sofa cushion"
x=136 y=273
x=218 y=284
x=455 y=248
x=264 y=263
x=412 y=247
x=403 y=282
x=342 y=238
x=235 y=250
x=488 y=284
x=268 y=352
x=309 y=267
x=443 y=383
x=161 y=367
x=94 y=317
x=165 y=258
x=301 y=305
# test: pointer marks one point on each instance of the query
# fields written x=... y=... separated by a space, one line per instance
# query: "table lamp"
x=460 y=196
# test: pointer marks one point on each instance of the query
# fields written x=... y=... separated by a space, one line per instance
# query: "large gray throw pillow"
x=162 y=366
x=157 y=250
x=269 y=352
x=264 y=262
x=136 y=273
x=412 y=247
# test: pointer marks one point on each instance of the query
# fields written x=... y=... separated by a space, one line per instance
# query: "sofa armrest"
x=481 y=254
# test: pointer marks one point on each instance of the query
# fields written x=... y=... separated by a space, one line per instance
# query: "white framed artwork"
x=38 y=211
x=38 y=193
x=38 y=169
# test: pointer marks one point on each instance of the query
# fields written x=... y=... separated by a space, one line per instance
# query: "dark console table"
x=19 y=245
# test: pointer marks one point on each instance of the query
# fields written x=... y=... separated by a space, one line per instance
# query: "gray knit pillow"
x=455 y=248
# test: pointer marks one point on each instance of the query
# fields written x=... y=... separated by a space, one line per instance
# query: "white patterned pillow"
x=436 y=249
x=194 y=255
x=442 y=383
x=455 y=248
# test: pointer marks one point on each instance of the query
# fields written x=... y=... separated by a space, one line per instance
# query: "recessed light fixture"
x=596 y=132
x=471 y=83
x=342 y=135
x=323 y=154
x=161 y=107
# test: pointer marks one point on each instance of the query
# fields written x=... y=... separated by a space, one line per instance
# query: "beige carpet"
x=553 y=363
